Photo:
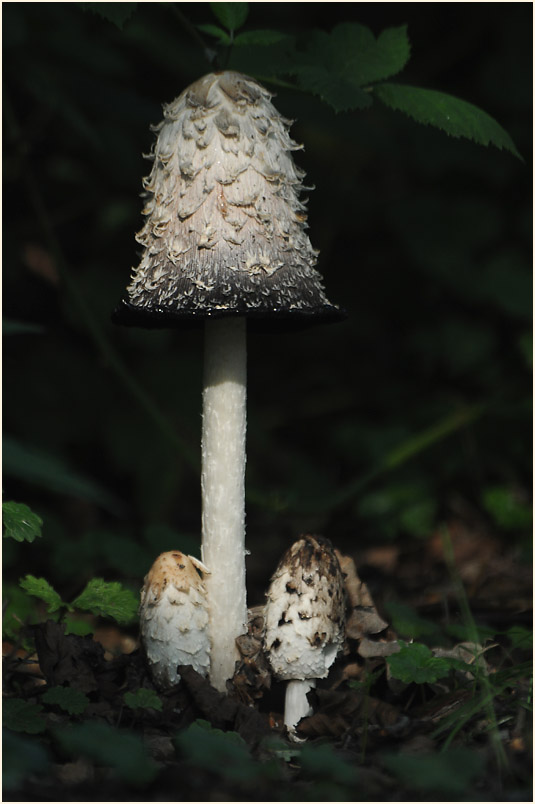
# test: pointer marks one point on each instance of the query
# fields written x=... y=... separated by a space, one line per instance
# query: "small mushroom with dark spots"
x=174 y=617
x=305 y=631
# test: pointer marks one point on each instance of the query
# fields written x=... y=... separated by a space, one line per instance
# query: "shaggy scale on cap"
x=225 y=230
x=305 y=611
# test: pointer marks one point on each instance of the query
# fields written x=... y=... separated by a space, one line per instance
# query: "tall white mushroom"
x=174 y=617
x=304 y=622
x=224 y=240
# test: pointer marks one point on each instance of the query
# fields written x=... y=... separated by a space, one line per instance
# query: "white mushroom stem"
x=296 y=705
x=223 y=490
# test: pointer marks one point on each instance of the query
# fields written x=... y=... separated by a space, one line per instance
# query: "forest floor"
x=430 y=701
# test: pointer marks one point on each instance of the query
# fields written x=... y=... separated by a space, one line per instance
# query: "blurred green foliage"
x=426 y=241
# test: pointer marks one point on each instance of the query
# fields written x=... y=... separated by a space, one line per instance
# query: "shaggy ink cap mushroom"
x=304 y=621
x=224 y=242
x=225 y=233
x=174 y=617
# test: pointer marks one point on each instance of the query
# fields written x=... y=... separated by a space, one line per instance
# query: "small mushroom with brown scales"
x=174 y=617
x=304 y=622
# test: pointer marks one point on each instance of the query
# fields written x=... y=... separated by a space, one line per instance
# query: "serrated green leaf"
x=231 y=15
x=260 y=37
x=20 y=522
x=70 y=700
x=39 y=587
x=117 y=13
x=416 y=664
x=357 y=54
x=111 y=747
x=106 y=599
x=214 y=30
x=336 y=66
x=454 y=116
x=143 y=699
x=334 y=89
x=20 y=715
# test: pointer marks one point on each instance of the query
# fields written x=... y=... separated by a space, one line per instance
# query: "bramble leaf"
x=72 y=701
x=117 y=13
x=20 y=522
x=416 y=664
x=231 y=15
x=260 y=37
x=40 y=588
x=108 y=600
x=336 y=66
x=19 y=715
x=454 y=116
x=215 y=30
x=143 y=698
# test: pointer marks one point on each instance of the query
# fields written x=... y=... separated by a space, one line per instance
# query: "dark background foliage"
x=369 y=431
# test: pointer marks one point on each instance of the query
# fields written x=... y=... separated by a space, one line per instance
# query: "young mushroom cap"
x=225 y=229
x=304 y=620
x=174 y=617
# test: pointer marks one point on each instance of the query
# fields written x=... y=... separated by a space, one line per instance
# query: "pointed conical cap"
x=225 y=229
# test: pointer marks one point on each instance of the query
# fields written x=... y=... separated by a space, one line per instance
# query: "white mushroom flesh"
x=174 y=617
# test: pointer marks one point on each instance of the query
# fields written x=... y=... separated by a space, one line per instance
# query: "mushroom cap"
x=305 y=611
x=225 y=233
x=174 y=617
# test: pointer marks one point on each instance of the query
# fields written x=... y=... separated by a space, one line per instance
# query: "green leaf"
x=70 y=700
x=20 y=758
x=40 y=588
x=336 y=66
x=357 y=54
x=19 y=611
x=108 y=600
x=507 y=510
x=520 y=637
x=19 y=715
x=231 y=15
x=111 y=747
x=78 y=627
x=33 y=466
x=10 y=327
x=117 y=13
x=454 y=116
x=449 y=773
x=20 y=523
x=205 y=746
x=416 y=664
x=336 y=90
x=214 y=30
x=143 y=698
x=260 y=37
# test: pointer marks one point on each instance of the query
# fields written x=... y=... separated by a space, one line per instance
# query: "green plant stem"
x=93 y=327
x=481 y=679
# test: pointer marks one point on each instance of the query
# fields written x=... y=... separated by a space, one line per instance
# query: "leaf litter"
x=389 y=696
